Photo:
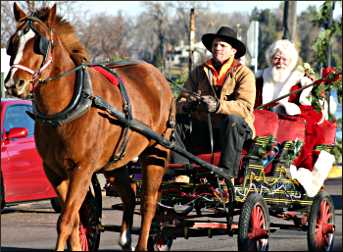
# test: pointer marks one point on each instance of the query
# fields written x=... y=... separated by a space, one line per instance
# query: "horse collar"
x=79 y=104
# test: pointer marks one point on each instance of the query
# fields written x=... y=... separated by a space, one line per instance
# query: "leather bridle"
x=45 y=46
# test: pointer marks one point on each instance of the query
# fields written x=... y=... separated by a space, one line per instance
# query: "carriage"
x=196 y=201
x=94 y=118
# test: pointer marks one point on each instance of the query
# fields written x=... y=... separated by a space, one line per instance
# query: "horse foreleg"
x=153 y=171
x=59 y=183
x=122 y=184
x=69 y=221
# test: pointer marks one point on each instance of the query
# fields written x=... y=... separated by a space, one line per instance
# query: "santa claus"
x=283 y=76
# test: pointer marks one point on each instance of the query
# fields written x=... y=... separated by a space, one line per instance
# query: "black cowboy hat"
x=229 y=35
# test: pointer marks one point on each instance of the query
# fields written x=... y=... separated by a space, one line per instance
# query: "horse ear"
x=52 y=15
x=18 y=12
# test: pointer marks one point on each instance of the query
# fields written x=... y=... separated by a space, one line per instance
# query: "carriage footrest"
x=214 y=225
x=211 y=225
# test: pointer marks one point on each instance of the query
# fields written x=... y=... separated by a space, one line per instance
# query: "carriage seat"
x=291 y=128
x=266 y=124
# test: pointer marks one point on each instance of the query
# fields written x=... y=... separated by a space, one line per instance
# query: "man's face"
x=222 y=50
x=280 y=60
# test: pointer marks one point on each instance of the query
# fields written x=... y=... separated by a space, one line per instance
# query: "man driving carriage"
x=219 y=95
x=281 y=77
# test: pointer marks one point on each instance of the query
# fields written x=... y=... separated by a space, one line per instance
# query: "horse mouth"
x=20 y=88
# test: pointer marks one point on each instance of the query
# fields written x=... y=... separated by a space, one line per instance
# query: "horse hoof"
x=126 y=247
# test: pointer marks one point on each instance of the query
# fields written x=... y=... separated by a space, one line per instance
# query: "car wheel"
x=56 y=204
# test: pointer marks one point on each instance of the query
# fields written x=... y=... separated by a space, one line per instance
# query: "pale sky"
x=133 y=8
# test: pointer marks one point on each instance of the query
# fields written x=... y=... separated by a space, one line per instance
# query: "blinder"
x=42 y=44
x=11 y=47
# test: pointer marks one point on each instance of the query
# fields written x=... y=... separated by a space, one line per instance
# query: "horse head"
x=30 y=49
x=41 y=41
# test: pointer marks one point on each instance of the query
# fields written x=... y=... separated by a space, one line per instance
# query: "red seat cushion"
x=291 y=128
x=266 y=123
x=207 y=158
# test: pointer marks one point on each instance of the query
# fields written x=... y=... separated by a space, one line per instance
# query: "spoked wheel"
x=90 y=216
x=321 y=223
x=253 y=224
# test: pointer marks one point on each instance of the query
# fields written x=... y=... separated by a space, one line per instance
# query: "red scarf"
x=218 y=79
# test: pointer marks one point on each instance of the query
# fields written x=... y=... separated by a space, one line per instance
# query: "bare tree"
x=65 y=9
x=7 y=22
x=106 y=37
x=179 y=29
x=151 y=32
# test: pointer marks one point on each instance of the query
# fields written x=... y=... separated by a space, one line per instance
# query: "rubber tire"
x=244 y=244
x=56 y=204
x=312 y=220
x=90 y=215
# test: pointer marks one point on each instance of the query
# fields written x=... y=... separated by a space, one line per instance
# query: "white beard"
x=280 y=75
x=278 y=82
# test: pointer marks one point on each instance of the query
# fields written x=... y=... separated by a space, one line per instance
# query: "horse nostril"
x=21 y=83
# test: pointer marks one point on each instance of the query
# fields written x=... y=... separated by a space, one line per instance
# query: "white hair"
x=287 y=48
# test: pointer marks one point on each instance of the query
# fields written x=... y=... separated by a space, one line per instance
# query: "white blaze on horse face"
x=23 y=40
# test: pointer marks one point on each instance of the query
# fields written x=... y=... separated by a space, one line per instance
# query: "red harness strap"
x=112 y=78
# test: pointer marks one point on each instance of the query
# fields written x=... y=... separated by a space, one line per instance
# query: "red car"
x=22 y=177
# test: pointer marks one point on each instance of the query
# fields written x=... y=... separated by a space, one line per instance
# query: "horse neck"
x=55 y=95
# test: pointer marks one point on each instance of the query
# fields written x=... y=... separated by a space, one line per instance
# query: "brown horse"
x=77 y=139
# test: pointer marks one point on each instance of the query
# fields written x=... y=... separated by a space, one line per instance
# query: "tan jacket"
x=237 y=96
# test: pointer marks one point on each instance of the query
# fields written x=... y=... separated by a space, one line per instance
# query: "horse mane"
x=67 y=35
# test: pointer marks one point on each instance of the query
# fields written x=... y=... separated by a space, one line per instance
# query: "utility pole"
x=191 y=39
x=329 y=50
x=284 y=21
x=292 y=21
x=329 y=23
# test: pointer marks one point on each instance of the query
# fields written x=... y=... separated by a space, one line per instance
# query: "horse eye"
x=26 y=30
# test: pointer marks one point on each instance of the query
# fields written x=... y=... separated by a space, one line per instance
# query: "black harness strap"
x=124 y=138
x=78 y=105
x=81 y=102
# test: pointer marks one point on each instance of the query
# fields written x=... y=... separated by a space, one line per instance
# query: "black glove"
x=211 y=103
x=190 y=106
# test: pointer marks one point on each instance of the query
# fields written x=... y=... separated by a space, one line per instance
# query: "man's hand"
x=190 y=106
x=211 y=103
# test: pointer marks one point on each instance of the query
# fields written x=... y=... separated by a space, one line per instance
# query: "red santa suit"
x=310 y=167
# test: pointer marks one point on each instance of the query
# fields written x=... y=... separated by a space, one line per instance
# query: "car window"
x=16 y=117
